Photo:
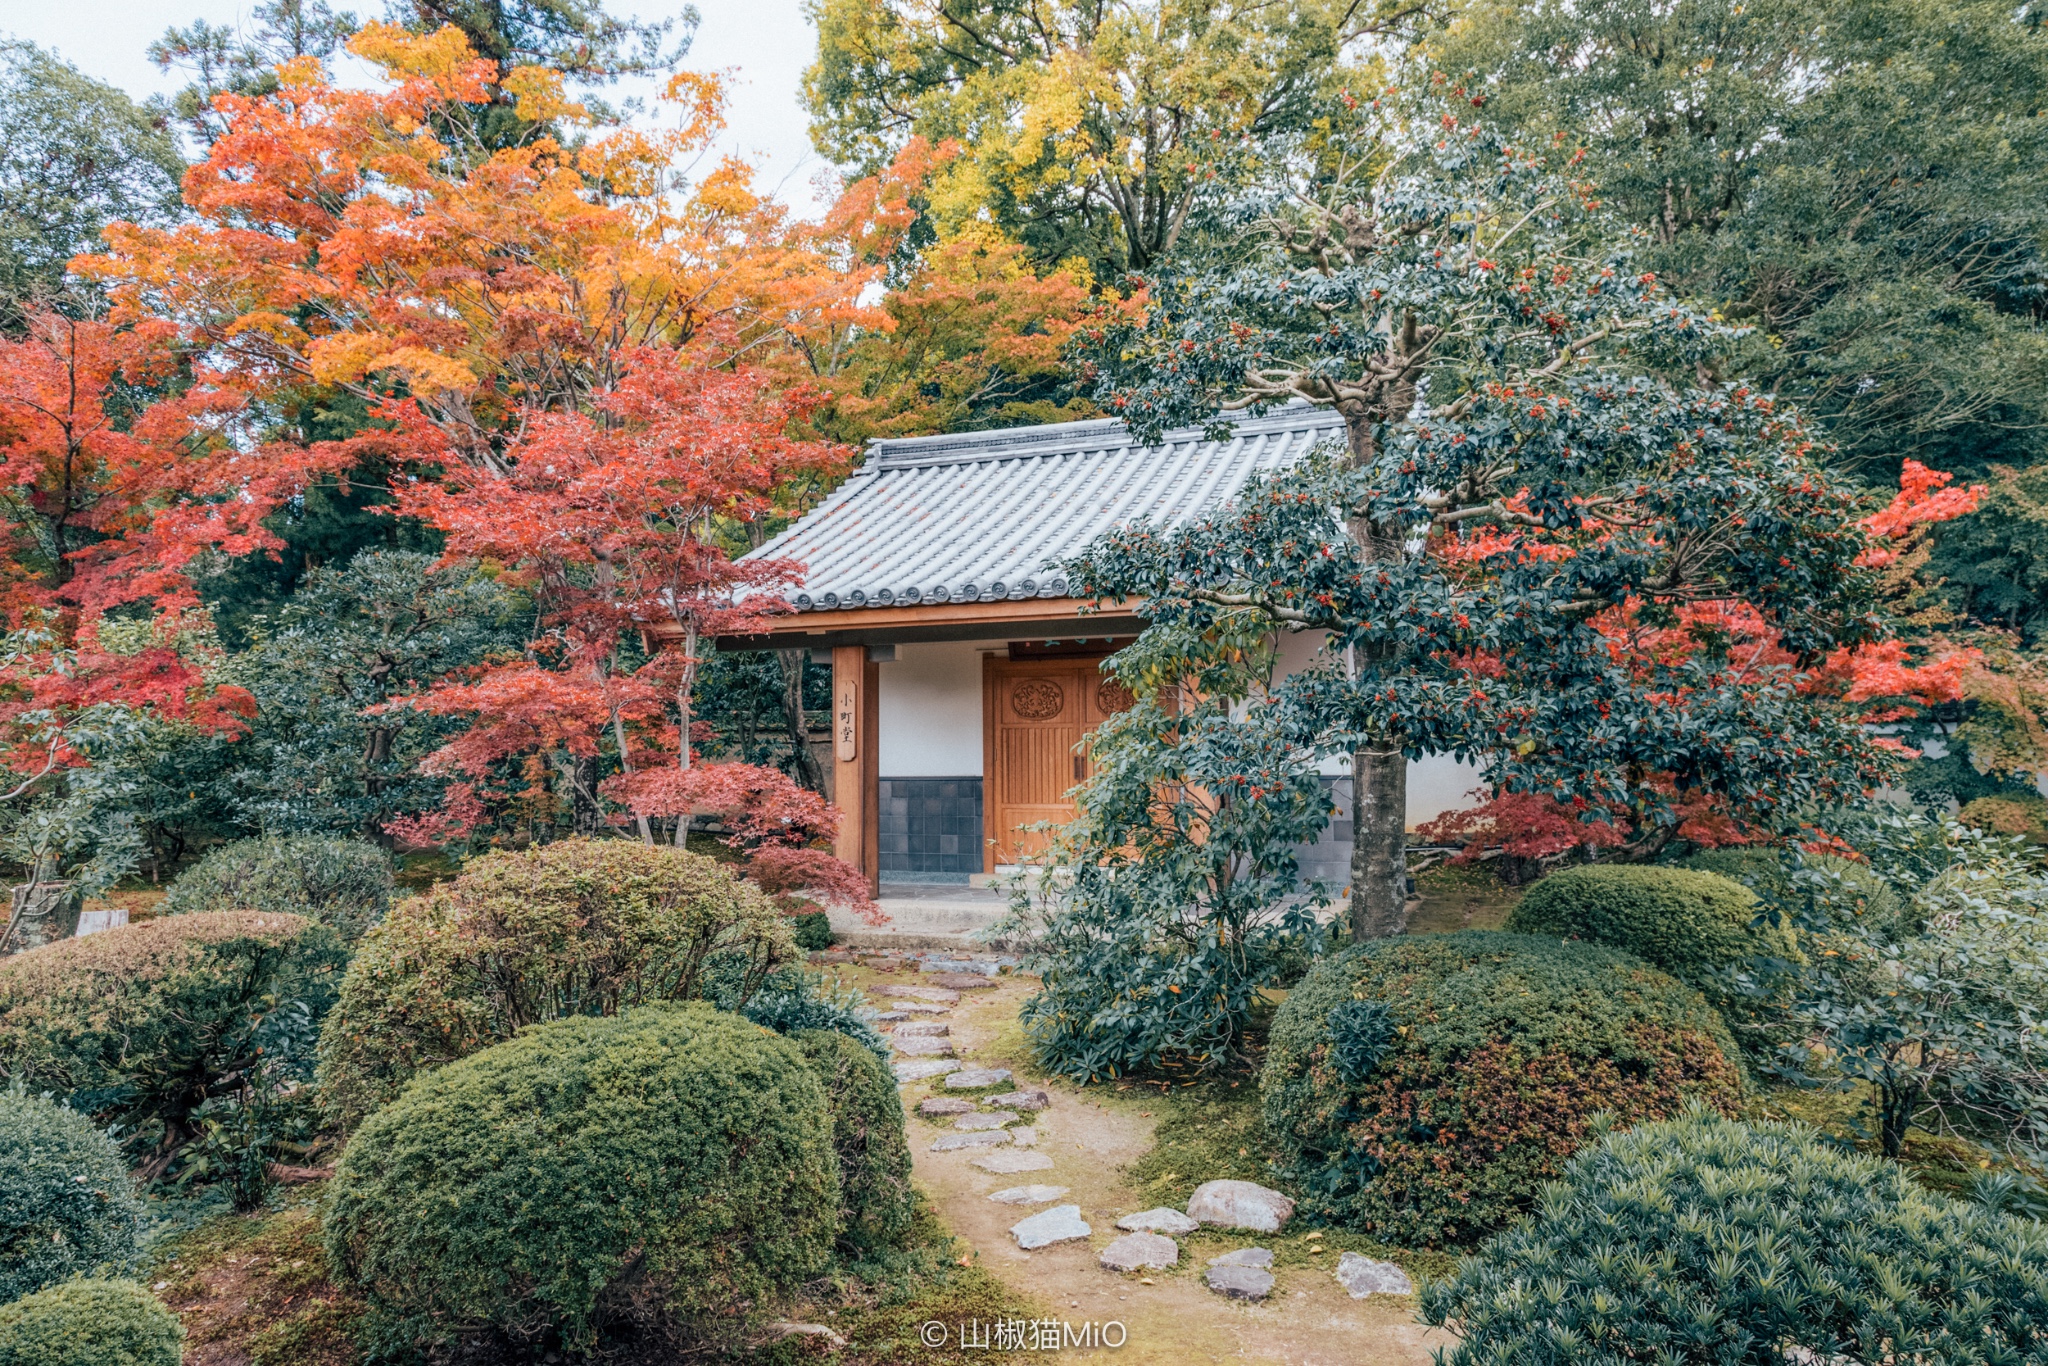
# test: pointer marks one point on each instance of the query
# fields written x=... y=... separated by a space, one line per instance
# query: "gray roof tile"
x=984 y=516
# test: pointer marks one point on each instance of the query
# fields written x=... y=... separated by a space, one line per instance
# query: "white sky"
x=767 y=43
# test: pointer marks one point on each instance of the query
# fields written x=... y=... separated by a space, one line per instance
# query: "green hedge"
x=342 y=883
x=66 y=1207
x=875 y=1200
x=1423 y=1088
x=90 y=1323
x=1702 y=1240
x=670 y=1162
x=142 y=1025
x=813 y=931
x=579 y=927
x=1687 y=922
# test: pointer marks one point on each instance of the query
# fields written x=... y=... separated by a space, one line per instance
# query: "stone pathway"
x=1074 y=1238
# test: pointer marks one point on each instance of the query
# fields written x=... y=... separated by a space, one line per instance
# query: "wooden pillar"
x=857 y=760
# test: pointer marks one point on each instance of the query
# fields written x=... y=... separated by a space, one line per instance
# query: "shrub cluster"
x=342 y=883
x=90 y=1323
x=1682 y=920
x=580 y=927
x=670 y=1163
x=875 y=1201
x=1703 y=1240
x=143 y=1025
x=813 y=930
x=66 y=1207
x=1425 y=1087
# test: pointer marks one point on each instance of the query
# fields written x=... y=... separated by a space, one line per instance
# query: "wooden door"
x=1036 y=715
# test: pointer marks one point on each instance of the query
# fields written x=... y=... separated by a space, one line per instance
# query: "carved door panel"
x=1037 y=713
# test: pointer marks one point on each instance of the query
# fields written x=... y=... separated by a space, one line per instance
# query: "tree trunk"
x=803 y=765
x=1379 y=843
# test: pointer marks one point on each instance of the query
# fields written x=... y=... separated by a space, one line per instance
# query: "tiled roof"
x=985 y=516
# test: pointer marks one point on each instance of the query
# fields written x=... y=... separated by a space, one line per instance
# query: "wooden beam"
x=857 y=761
x=938 y=621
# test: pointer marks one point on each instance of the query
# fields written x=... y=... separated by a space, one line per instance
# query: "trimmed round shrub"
x=579 y=927
x=1681 y=920
x=1424 y=1088
x=66 y=1207
x=671 y=1164
x=144 y=1024
x=813 y=931
x=90 y=1323
x=1703 y=1240
x=342 y=883
x=875 y=1202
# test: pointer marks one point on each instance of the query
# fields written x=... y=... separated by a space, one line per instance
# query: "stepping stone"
x=1012 y=1162
x=1240 y=1204
x=924 y=1046
x=1240 y=1282
x=1060 y=1224
x=1161 y=1220
x=1363 y=1276
x=964 y=981
x=993 y=1119
x=920 y=1029
x=945 y=1105
x=1026 y=1137
x=992 y=1138
x=935 y=994
x=919 y=1069
x=1256 y=1257
x=1141 y=1252
x=1020 y=1100
x=890 y=1017
x=1028 y=1195
x=917 y=1007
x=976 y=1078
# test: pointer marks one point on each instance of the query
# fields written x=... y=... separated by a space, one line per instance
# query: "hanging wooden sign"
x=846 y=720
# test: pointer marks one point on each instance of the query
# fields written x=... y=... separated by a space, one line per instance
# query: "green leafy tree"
x=1859 y=180
x=243 y=60
x=1079 y=123
x=75 y=155
x=1179 y=887
x=326 y=753
x=1531 y=544
x=1940 y=1010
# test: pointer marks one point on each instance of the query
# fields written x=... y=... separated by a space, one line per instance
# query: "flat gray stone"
x=1020 y=1100
x=1028 y=1195
x=918 y=1069
x=920 y=1046
x=1363 y=1276
x=964 y=981
x=1161 y=1220
x=1245 y=1256
x=977 y=1078
x=917 y=1007
x=921 y=1029
x=1240 y=1282
x=937 y=995
x=945 y=1105
x=1141 y=1252
x=992 y=1119
x=1240 y=1204
x=992 y=1138
x=890 y=1016
x=1025 y=1136
x=1010 y=1162
x=1060 y=1224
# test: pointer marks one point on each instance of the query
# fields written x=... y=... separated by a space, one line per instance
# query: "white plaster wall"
x=930 y=707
